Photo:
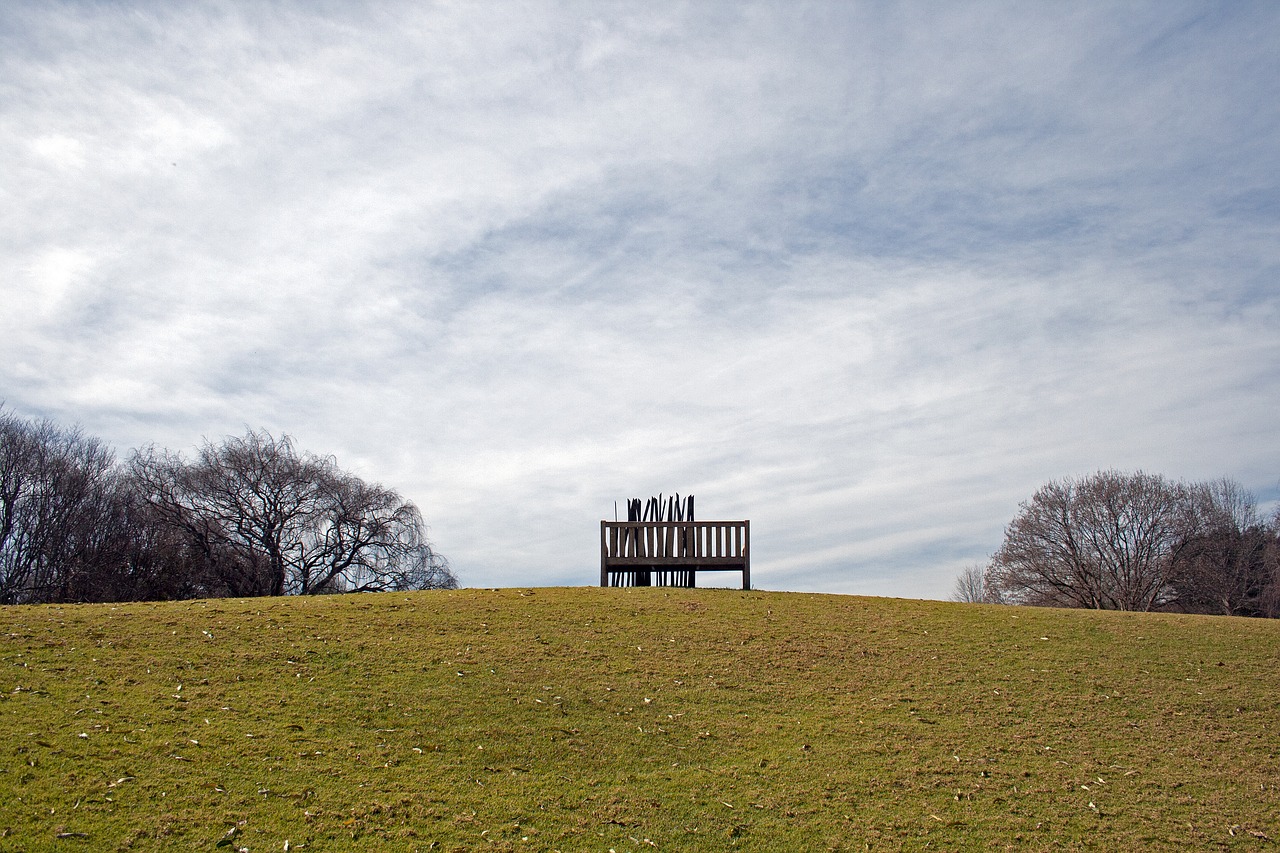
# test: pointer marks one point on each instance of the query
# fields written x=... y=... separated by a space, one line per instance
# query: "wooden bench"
x=671 y=553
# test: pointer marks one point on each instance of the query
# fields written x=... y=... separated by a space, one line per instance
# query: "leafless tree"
x=145 y=559
x=1269 y=600
x=429 y=570
x=1222 y=564
x=266 y=519
x=1105 y=541
x=971 y=587
x=250 y=516
x=57 y=499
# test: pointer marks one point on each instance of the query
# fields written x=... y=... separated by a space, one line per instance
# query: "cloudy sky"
x=865 y=273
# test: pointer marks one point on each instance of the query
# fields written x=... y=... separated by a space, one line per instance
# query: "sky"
x=866 y=274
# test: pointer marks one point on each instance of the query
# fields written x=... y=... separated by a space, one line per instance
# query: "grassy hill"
x=643 y=719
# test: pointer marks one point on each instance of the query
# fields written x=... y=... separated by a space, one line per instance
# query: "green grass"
x=589 y=719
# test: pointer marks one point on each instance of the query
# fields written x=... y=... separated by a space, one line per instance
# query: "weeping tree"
x=263 y=518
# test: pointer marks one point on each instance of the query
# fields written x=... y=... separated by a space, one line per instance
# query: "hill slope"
x=635 y=720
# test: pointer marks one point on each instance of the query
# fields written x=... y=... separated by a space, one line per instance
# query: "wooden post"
x=604 y=556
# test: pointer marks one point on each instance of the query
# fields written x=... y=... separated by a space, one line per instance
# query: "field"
x=631 y=720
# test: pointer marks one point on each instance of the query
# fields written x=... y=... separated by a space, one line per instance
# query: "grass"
x=642 y=719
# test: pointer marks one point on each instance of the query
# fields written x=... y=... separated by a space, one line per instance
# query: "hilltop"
x=632 y=719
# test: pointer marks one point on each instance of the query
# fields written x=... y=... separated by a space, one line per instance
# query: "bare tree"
x=1222 y=564
x=146 y=560
x=57 y=500
x=971 y=587
x=208 y=523
x=1105 y=541
x=268 y=520
x=250 y=516
x=431 y=570
x=362 y=536
x=1269 y=600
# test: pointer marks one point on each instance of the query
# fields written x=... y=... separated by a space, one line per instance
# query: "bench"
x=671 y=553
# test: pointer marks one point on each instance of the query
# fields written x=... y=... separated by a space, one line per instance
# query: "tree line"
x=1135 y=541
x=250 y=516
